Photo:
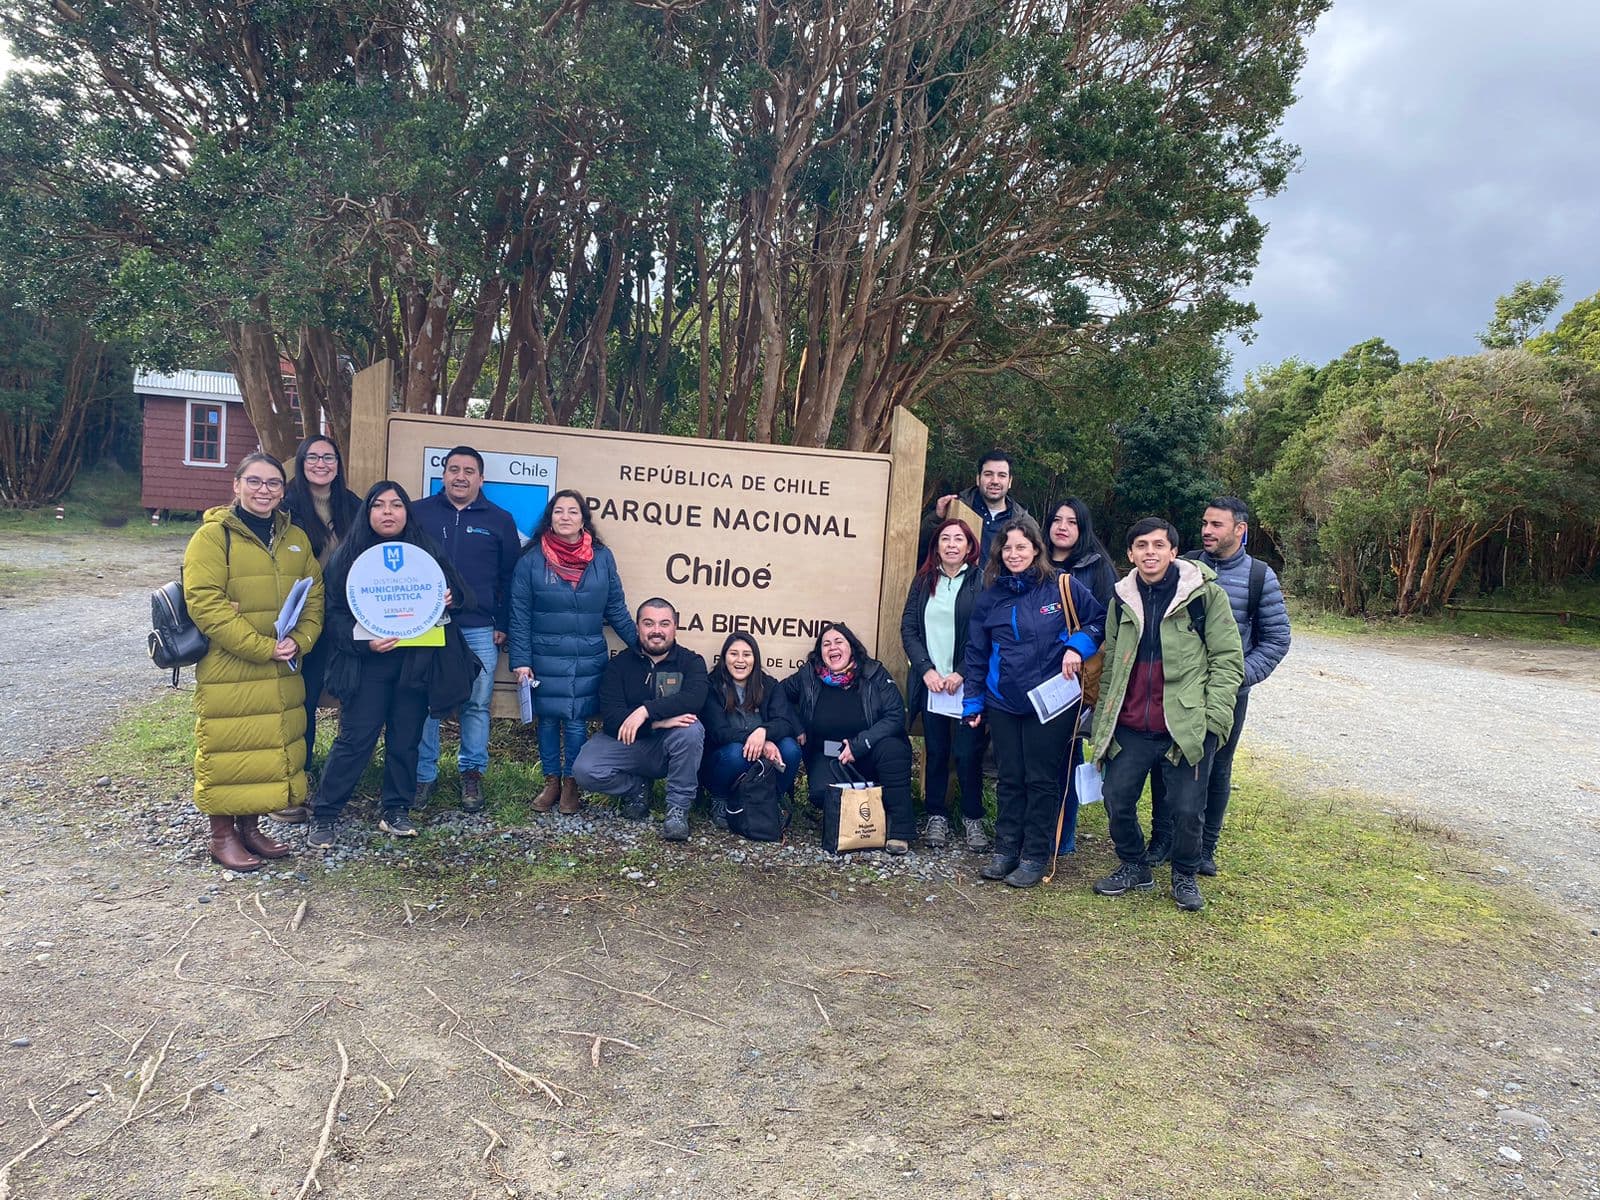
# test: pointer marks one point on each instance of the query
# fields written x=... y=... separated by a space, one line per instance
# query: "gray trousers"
x=606 y=765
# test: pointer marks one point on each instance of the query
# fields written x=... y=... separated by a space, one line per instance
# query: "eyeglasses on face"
x=327 y=460
x=262 y=485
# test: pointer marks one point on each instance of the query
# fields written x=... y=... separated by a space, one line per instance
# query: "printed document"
x=1054 y=696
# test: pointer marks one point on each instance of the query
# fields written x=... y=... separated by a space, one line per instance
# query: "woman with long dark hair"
x=747 y=719
x=1018 y=639
x=1075 y=550
x=319 y=502
x=933 y=632
x=565 y=591
x=249 y=700
x=383 y=687
x=851 y=715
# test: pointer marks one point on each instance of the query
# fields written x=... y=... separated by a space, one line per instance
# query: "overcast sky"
x=1449 y=149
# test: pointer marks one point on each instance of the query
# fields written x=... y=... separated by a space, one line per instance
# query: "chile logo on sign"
x=393 y=557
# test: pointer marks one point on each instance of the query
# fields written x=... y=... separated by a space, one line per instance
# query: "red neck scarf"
x=568 y=560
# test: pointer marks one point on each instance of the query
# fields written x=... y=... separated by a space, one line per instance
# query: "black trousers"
x=380 y=706
x=1137 y=755
x=944 y=738
x=887 y=764
x=1027 y=757
x=1218 y=789
x=313 y=669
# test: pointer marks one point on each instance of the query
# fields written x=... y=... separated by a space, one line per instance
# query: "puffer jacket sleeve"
x=891 y=710
x=617 y=614
x=520 y=613
x=780 y=719
x=205 y=592
x=1270 y=633
x=1224 y=662
x=975 y=667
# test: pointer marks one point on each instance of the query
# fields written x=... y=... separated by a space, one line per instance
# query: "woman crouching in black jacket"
x=850 y=715
x=747 y=719
x=382 y=687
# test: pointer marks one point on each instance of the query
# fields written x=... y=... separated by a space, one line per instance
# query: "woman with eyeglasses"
x=249 y=697
x=319 y=502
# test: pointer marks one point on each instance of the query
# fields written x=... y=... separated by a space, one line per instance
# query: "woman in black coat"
x=383 y=687
x=319 y=502
x=933 y=632
x=851 y=716
x=747 y=718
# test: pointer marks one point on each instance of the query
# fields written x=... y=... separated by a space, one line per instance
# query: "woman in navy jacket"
x=747 y=718
x=564 y=592
x=1018 y=638
x=933 y=632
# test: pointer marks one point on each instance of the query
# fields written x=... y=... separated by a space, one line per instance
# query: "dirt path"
x=1500 y=740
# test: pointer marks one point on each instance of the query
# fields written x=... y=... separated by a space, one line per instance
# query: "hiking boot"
x=546 y=799
x=1158 y=851
x=1127 y=877
x=896 y=847
x=423 y=795
x=397 y=824
x=636 y=804
x=1186 y=893
x=295 y=814
x=571 y=798
x=1028 y=874
x=999 y=866
x=719 y=812
x=676 y=826
x=321 y=835
x=937 y=835
x=472 y=791
x=1208 y=864
x=977 y=840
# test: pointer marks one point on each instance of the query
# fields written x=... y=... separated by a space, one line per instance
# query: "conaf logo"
x=393 y=557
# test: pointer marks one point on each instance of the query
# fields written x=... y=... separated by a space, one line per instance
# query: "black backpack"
x=174 y=641
x=755 y=809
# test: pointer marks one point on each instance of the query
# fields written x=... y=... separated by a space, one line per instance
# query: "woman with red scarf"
x=564 y=592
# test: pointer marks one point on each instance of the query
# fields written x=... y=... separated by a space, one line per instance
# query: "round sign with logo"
x=395 y=590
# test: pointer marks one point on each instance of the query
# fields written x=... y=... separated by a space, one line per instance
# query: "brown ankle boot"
x=227 y=848
x=571 y=799
x=546 y=800
x=258 y=842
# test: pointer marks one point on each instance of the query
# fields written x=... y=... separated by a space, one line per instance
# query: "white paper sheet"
x=1054 y=696
x=944 y=704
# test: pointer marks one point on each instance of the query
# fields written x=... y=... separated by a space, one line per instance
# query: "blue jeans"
x=474 y=713
x=556 y=758
x=720 y=767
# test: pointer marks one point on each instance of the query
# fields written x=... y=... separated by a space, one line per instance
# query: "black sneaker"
x=321 y=835
x=636 y=804
x=1186 y=893
x=676 y=826
x=1158 y=851
x=397 y=824
x=1127 y=877
x=999 y=866
x=472 y=791
x=423 y=795
x=1028 y=874
x=1208 y=865
x=719 y=812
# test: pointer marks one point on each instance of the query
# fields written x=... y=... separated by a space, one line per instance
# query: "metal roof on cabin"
x=197 y=385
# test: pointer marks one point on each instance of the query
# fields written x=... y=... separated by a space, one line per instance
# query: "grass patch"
x=154 y=739
x=104 y=501
x=1581 y=597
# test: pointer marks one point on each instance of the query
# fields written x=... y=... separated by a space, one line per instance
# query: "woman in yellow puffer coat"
x=249 y=699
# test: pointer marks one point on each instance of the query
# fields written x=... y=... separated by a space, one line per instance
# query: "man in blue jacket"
x=480 y=539
x=1256 y=599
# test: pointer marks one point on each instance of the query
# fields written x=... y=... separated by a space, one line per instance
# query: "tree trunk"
x=253 y=356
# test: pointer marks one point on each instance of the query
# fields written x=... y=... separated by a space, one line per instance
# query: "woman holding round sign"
x=249 y=699
x=388 y=588
x=564 y=592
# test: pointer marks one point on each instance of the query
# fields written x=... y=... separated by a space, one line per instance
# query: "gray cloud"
x=1449 y=150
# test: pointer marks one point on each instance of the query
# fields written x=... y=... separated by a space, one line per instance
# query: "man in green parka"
x=1173 y=666
x=249 y=699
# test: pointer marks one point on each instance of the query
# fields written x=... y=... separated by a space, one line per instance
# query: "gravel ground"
x=85 y=643
x=1500 y=740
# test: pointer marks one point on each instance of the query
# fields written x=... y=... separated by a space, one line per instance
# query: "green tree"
x=1576 y=335
x=1519 y=313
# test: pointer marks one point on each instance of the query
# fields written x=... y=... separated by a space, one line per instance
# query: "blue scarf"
x=1015 y=584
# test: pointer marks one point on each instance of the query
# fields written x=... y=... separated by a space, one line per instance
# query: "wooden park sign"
x=772 y=541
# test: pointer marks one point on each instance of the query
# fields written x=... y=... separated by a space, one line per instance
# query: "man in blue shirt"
x=480 y=538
